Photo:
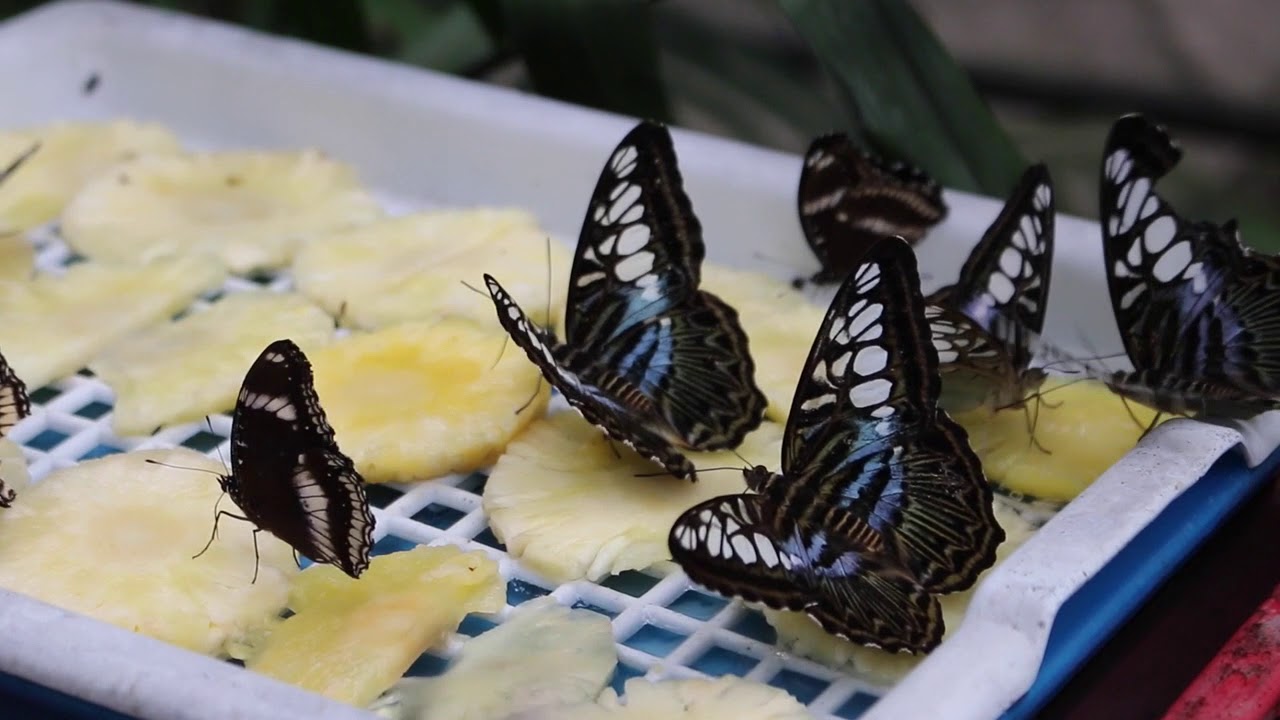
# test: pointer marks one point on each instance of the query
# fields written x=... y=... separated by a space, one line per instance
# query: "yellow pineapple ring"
x=112 y=538
x=801 y=635
x=70 y=155
x=17 y=258
x=413 y=267
x=349 y=640
x=569 y=508
x=252 y=209
x=53 y=326
x=1086 y=430
x=696 y=699
x=544 y=655
x=421 y=400
x=184 y=370
x=780 y=323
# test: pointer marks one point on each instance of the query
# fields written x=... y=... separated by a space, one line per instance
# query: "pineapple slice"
x=422 y=400
x=349 y=640
x=544 y=656
x=412 y=267
x=17 y=258
x=1087 y=430
x=53 y=326
x=184 y=370
x=70 y=155
x=780 y=323
x=14 y=475
x=113 y=539
x=696 y=699
x=801 y=635
x=565 y=504
x=251 y=209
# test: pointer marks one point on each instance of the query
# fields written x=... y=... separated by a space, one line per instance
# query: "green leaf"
x=904 y=95
x=600 y=53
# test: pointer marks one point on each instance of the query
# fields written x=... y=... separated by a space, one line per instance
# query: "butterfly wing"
x=849 y=199
x=1004 y=283
x=865 y=433
x=727 y=544
x=287 y=474
x=976 y=367
x=634 y=305
x=1192 y=305
x=14 y=403
x=628 y=417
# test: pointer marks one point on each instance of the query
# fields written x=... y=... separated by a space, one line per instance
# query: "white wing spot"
x=634 y=266
x=840 y=364
x=872 y=392
x=587 y=278
x=622 y=203
x=865 y=318
x=1159 y=234
x=744 y=549
x=882 y=412
x=1132 y=202
x=1128 y=299
x=768 y=554
x=1011 y=262
x=1173 y=262
x=1042 y=198
x=633 y=239
x=814 y=403
x=1000 y=287
x=624 y=161
x=871 y=359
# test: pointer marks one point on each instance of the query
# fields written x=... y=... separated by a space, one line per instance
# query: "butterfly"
x=648 y=357
x=880 y=503
x=14 y=406
x=849 y=199
x=287 y=475
x=1199 y=314
x=986 y=324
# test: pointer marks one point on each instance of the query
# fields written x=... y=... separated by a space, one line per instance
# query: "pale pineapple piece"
x=421 y=400
x=53 y=326
x=697 y=699
x=544 y=656
x=17 y=258
x=113 y=539
x=1085 y=427
x=70 y=155
x=566 y=505
x=780 y=323
x=184 y=370
x=413 y=267
x=801 y=635
x=351 y=639
x=14 y=475
x=252 y=209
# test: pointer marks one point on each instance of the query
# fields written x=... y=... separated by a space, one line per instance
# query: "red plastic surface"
x=1242 y=682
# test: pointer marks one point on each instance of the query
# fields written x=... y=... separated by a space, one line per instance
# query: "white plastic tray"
x=423 y=138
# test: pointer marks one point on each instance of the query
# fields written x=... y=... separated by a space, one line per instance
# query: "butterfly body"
x=1199 y=313
x=849 y=199
x=648 y=357
x=879 y=503
x=287 y=475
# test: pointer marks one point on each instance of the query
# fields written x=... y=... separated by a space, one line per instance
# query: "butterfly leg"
x=256 y=558
x=537 y=389
x=1152 y=425
x=214 y=535
x=1033 y=419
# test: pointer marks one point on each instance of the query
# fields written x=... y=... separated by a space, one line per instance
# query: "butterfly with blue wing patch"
x=986 y=325
x=287 y=474
x=880 y=502
x=1199 y=314
x=849 y=199
x=648 y=357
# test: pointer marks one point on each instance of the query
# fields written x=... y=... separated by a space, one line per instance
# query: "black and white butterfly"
x=287 y=474
x=986 y=325
x=849 y=199
x=14 y=406
x=1199 y=313
x=655 y=362
x=880 y=502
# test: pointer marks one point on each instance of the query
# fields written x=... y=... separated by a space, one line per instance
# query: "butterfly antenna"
x=182 y=467
x=701 y=470
x=473 y=288
x=218 y=447
x=257 y=559
x=340 y=315
x=537 y=389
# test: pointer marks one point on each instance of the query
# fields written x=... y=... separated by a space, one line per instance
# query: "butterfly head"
x=757 y=477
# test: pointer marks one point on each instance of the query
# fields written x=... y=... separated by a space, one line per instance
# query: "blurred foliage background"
x=968 y=89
